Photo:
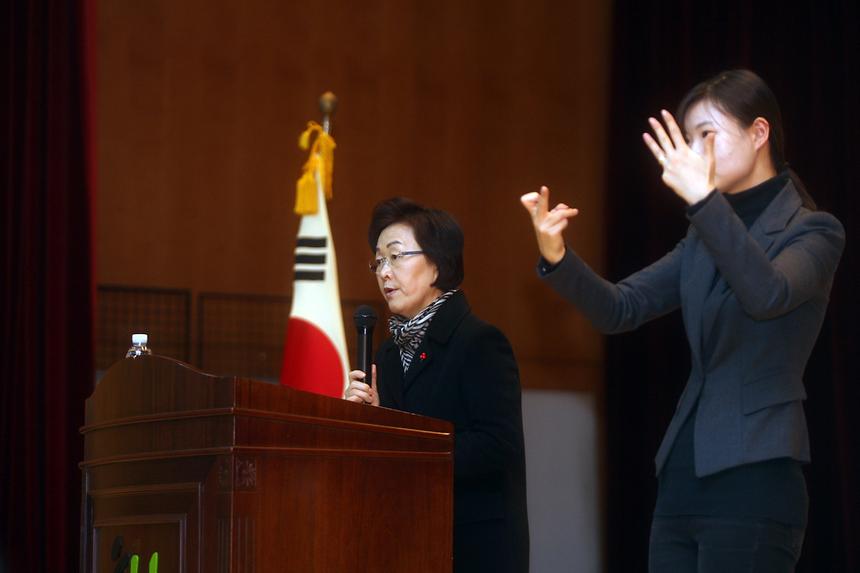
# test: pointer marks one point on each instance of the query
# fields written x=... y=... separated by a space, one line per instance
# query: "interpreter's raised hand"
x=359 y=392
x=548 y=224
x=687 y=173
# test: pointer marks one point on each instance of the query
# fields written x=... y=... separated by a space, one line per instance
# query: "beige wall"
x=460 y=105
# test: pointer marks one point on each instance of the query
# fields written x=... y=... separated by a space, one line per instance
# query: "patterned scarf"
x=408 y=333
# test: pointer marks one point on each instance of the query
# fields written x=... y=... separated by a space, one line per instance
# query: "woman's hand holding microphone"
x=358 y=391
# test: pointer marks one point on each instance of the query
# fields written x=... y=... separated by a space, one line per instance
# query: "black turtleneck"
x=773 y=489
x=750 y=203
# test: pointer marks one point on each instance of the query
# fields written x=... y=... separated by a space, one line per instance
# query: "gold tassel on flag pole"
x=320 y=162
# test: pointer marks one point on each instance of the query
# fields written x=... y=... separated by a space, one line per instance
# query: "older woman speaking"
x=443 y=361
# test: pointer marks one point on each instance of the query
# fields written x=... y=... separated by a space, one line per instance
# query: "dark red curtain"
x=807 y=52
x=46 y=289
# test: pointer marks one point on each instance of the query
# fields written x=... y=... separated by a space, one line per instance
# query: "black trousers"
x=691 y=544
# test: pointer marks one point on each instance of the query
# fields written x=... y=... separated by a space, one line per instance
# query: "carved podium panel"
x=189 y=472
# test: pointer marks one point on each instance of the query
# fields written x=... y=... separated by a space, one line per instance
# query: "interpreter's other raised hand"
x=359 y=392
x=548 y=224
x=687 y=173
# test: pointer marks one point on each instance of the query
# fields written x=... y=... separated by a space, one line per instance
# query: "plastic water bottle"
x=138 y=346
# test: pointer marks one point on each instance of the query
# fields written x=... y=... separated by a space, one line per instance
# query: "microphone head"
x=364 y=317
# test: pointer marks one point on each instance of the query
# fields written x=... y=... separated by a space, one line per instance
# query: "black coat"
x=464 y=371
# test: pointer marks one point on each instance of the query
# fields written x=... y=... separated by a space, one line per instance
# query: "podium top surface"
x=152 y=388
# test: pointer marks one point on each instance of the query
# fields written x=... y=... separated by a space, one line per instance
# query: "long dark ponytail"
x=745 y=96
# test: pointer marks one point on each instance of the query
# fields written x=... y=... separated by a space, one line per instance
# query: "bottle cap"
x=139 y=338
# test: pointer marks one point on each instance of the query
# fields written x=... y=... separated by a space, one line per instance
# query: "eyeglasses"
x=394 y=260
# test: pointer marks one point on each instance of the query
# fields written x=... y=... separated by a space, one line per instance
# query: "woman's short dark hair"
x=436 y=231
x=743 y=95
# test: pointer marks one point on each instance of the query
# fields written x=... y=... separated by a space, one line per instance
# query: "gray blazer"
x=750 y=336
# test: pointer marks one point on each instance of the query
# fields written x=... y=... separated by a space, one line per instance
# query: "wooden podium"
x=188 y=472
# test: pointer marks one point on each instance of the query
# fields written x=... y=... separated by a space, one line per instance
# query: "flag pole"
x=315 y=357
x=328 y=103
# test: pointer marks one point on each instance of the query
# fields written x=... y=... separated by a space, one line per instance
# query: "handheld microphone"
x=365 y=320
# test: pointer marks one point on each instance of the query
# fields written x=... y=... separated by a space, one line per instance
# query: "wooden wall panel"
x=459 y=105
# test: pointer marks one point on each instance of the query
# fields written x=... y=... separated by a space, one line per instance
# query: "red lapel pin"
x=423 y=356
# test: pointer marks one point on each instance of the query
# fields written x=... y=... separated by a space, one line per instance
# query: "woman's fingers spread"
x=664 y=140
x=675 y=131
x=655 y=149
